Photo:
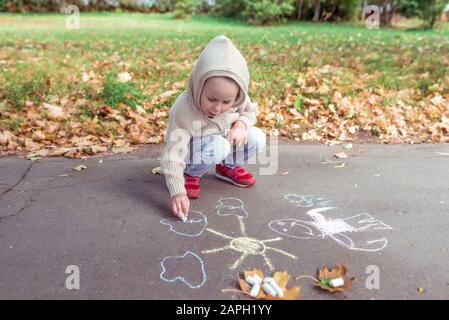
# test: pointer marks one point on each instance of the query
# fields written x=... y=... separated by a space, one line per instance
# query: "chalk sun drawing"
x=193 y=227
x=187 y=254
x=336 y=229
x=246 y=245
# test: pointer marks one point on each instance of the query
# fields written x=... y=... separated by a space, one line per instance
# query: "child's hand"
x=179 y=204
x=238 y=135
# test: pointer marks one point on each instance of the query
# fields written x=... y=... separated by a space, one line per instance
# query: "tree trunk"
x=390 y=13
x=62 y=6
x=316 y=16
x=299 y=7
x=433 y=13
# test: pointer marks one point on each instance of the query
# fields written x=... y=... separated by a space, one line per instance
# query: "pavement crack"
x=27 y=204
x=19 y=181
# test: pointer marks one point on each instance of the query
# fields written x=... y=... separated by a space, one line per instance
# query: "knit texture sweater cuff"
x=176 y=188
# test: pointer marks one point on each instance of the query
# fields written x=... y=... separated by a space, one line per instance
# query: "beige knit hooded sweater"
x=187 y=120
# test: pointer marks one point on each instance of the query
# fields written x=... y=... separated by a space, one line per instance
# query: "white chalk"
x=259 y=279
x=269 y=289
x=275 y=286
x=255 y=290
x=252 y=280
x=335 y=283
x=183 y=217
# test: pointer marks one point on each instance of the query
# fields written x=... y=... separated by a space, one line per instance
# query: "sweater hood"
x=220 y=58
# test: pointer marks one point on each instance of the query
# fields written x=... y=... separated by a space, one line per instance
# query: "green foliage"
x=164 y=5
x=19 y=89
x=257 y=12
x=427 y=10
x=185 y=8
x=116 y=92
x=2 y=5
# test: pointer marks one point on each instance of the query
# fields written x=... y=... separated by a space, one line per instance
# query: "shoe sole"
x=219 y=176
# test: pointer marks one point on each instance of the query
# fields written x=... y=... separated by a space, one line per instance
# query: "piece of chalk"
x=255 y=290
x=275 y=286
x=183 y=217
x=252 y=280
x=335 y=283
x=269 y=289
x=259 y=279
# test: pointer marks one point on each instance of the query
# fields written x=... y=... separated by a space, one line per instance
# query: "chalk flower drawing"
x=182 y=261
x=245 y=245
x=336 y=229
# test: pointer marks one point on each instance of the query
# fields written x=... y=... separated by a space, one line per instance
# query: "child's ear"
x=238 y=95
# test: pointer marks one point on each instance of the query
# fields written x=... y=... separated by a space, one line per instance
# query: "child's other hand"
x=179 y=204
x=238 y=136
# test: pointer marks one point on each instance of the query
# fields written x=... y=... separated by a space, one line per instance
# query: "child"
x=212 y=122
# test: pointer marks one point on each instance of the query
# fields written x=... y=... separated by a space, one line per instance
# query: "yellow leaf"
x=339 y=271
x=281 y=279
x=340 y=165
x=80 y=167
x=123 y=149
x=156 y=170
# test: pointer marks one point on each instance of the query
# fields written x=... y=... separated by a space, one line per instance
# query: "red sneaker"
x=192 y=185
x=237 y=176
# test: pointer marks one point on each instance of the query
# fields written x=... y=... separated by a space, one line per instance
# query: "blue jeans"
x=207 y=151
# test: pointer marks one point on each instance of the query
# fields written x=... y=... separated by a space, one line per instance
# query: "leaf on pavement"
x=156 y=170
x=341 y=155
x=339 y=271
x=80 y=167
x=281 y=279
x=122 y=149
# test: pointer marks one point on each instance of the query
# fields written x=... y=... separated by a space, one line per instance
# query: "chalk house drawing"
x=177 y=263
x=193 y=227
x=337 y=229
x=245 y=245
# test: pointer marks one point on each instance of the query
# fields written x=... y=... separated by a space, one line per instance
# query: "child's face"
x=218 y=95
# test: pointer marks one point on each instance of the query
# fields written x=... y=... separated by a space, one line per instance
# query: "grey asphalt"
x=106 y=220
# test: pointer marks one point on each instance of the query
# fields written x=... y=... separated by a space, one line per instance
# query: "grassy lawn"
x=312 y=81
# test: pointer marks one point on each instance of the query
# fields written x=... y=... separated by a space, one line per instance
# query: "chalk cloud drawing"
x=174 y=266
x=245 y=245
x=306 y=201
x=193 y=227
x=231 y=206
x=338 y=229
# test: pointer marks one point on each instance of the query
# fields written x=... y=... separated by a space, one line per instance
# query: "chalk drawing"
x=306 y=201
x=336 y=229
x=231 y=206
x=246 y=245
x=183 y=265
x=193 y=227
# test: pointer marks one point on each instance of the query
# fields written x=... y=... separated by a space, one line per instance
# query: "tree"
x=299 y=8
x=316 y=14
x=427 y=10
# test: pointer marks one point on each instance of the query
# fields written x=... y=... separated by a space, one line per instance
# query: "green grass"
x=159 y=51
